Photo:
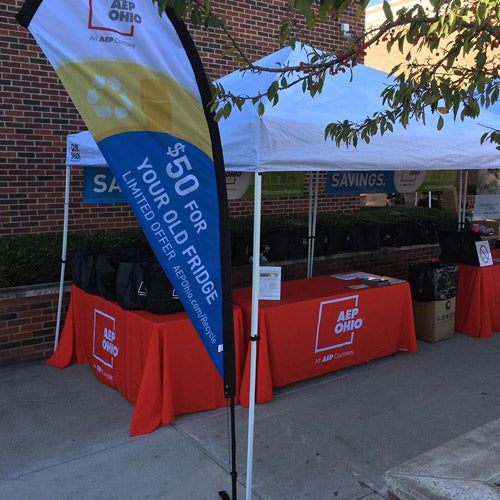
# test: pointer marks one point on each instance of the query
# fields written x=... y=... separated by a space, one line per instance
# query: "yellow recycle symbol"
x=93 y=96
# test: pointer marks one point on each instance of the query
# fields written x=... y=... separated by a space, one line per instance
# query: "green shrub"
x=36 y=258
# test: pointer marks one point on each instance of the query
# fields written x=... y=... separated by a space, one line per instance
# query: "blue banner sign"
x=360 y=182
x=100 y=186
x=401 y=181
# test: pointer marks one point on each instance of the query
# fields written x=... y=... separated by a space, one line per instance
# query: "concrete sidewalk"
x=65 y=435
x=464 y=468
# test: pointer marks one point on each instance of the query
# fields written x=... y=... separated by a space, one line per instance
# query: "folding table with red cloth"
x=477 y=311
x=321 y=325
x=157 y=362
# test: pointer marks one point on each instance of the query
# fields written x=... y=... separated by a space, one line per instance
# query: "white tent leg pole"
x=254 y=329
x=460 y=201
x=63 y=255
x=315 y=213
x=466 y=179
x=310 y=255
x=429 y=194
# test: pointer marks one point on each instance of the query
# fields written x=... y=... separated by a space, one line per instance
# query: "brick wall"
x=28 y=314
x=38 y=115
x=27 y=322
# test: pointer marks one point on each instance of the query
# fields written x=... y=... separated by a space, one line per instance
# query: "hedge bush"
x=36 y=258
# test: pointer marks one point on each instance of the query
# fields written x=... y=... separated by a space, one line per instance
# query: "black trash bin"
x=433 y=280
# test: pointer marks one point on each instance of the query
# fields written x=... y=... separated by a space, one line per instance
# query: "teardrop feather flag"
x=139 y=85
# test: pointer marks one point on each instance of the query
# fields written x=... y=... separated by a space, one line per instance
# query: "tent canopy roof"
x=290 y=135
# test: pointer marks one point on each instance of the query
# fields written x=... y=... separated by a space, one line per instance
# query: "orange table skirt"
x=478 y=300
x=321 y=325
x=157 y=362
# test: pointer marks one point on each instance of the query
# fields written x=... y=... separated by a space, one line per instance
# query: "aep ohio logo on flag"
x=117 y=16
x=138 y=83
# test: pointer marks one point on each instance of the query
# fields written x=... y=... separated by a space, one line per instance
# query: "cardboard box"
x=434 y=321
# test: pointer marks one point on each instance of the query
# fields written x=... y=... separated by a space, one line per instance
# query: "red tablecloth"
x=321 y=325
x=477 y=311
x=157 y=362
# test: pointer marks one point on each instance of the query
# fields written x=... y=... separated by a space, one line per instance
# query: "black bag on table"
x=278 y=245
x=83 y=270
x=320 y=241
x=459 y=247
x=240 y=243
x=396 y=235
x=372 y=237
x=161 y=297
x=356 y=238
x=297 y=240
x=337 y=240
x=105 y=275
x=131 y=290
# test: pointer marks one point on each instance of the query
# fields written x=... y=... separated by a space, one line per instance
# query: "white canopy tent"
x=290 y=136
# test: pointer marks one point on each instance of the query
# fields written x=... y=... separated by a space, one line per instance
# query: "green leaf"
x=228 y=52
x=401 y=43
x=272 y=90
x=311 y=21
x=431 y=98
x=440 y=123
x=450 y=60
x=433 y=27
x=219 y=115
x=482 y=12
x=480 y=58
x=195 y=17
x=214 y=106
x=284 y=32
x=451 y=19
x=388 y=11
x=324 y=9
x=445 y=31
x=481 y=82
x=361 y=9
